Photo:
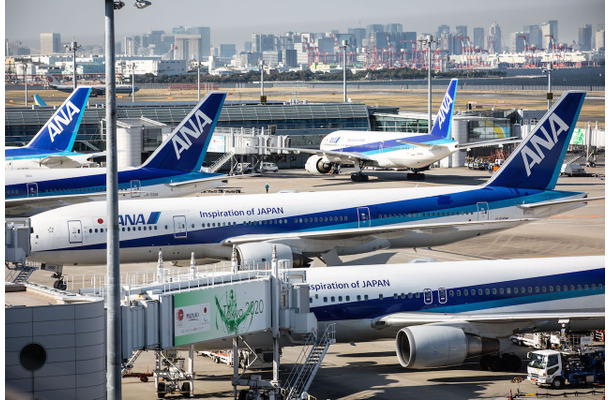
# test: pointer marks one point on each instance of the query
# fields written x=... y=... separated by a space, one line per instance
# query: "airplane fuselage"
x=387 y=149
x=206 y=226
x=356 y=297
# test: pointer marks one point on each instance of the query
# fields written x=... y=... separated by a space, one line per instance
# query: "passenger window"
x=480 y=292
x=325 y=299
x=366 y=297
x=501 y=290
x=487 y=291
x=380 y=296
x=332 y=299
x=358 y=298
x=340 y=298
x=346 y=298
x=473 y=292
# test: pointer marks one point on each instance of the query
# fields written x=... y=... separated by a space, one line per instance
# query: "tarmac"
x=371 y=370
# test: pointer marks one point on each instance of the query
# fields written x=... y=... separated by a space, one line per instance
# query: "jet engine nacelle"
x=428 y=346
x=259 y=255
x=317 y=165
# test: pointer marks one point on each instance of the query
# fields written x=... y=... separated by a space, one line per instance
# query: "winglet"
x=536 y=163
x=60 y=130
x=442 y=123
x=187 y=145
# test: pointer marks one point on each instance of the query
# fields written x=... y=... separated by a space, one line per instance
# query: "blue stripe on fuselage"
x=97 y=183
x=421 y=210
x=483 y=299
x=384 y=146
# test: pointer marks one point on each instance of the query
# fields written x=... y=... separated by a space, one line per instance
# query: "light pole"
x=73 y=47
x=549 y=95
x=344 y=47
x=427 y=41
x=198 y=80
x=113 y=290
x=262 y=65
x=25 y=82
x=133 y=82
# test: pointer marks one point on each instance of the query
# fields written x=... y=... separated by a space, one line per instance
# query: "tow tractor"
x=551 y=367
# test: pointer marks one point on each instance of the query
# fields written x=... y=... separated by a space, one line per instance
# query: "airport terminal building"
x=305 y=124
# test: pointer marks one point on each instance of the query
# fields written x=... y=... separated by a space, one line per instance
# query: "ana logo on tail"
x=531 y=157
x=62 y=119
x=445 y=108
x=198 y=123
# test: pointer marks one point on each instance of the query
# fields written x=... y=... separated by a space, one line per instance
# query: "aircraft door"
x=442 y=295
x=32 y=189
x=75 y=231
x=364 y=217
x=179 y=226
x=135 y=187
x=482 y=211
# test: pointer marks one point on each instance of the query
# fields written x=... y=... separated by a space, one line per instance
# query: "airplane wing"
x=383 y=232
x=559 y=202
x=403 y=319
x=56 y=161
x=489 y=143
x=219 y=177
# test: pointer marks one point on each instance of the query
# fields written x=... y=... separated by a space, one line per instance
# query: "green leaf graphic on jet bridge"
x=231 y=315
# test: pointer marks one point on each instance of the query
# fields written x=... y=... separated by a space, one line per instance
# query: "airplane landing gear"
x=415 y=176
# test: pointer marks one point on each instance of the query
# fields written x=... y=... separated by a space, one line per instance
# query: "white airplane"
x=448 y=312
x=52 y=145
x=412 y=151
x=172 y=170
x=95 y=89
x=323 y=224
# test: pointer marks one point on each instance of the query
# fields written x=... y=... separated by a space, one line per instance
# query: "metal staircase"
x=19 y=273
x=222 y=161
x=308 y=362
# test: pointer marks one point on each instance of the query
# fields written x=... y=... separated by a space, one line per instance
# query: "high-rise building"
x=478 y=38
x=518 y=41
x=358 y=34
x=262 y=43
x=227 y=50
x=50 y=43
x=585 y=35
x=535 y=35
x=374 y=28
x=600 y=41
x=187 y=47
x=494 y=39
x=206 y=39
x=393 y=28
x=15 y=48
x=550 y=33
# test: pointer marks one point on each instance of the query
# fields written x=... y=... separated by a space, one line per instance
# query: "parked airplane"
x=96 y=90
x=52 y=145
x=451 y=311
x=391 y=149
x=448 y=312
x=324 y=224
x=171 y=171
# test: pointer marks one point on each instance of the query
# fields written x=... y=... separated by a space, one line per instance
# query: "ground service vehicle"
x=551 y=367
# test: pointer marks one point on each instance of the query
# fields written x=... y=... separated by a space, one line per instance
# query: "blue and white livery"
x=391 y=149
x=450 y=311
x=52 y=145
x=323 y=224
x=171 y=171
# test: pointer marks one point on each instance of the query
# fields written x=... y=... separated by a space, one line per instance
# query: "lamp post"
x=549 y=95
x=73 y=46
x=133 y=82
x=113 y=278
x=262 y=65
x=427 y=41
x=198 y=80
x=343 y=46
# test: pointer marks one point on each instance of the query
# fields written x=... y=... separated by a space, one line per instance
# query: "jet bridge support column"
x=275 y=317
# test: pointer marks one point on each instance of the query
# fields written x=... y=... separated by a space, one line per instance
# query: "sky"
x=234 y=21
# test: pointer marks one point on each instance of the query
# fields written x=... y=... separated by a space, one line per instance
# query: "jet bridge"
x=218 y=308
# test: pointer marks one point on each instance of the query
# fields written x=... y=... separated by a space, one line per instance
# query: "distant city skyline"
x=234 y=22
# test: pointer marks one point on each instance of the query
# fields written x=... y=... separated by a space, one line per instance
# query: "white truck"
x=551 y=367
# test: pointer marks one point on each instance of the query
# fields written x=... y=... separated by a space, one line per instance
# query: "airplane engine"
x=252 y=255
x=317 y=165
x=429 y=346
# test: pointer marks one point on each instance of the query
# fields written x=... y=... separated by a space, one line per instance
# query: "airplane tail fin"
x=536 y=162
x=187 y=145
x=52 y=80
x=442 y=124
x=60 y=130
x=39 y=101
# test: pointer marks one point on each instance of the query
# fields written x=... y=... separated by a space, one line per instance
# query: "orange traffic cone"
x=510 y=395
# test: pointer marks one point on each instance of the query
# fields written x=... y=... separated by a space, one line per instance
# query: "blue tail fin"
x=60 y=130
x=39 y=101
x=186 y=147
x=442 y=124
x=536 y=163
